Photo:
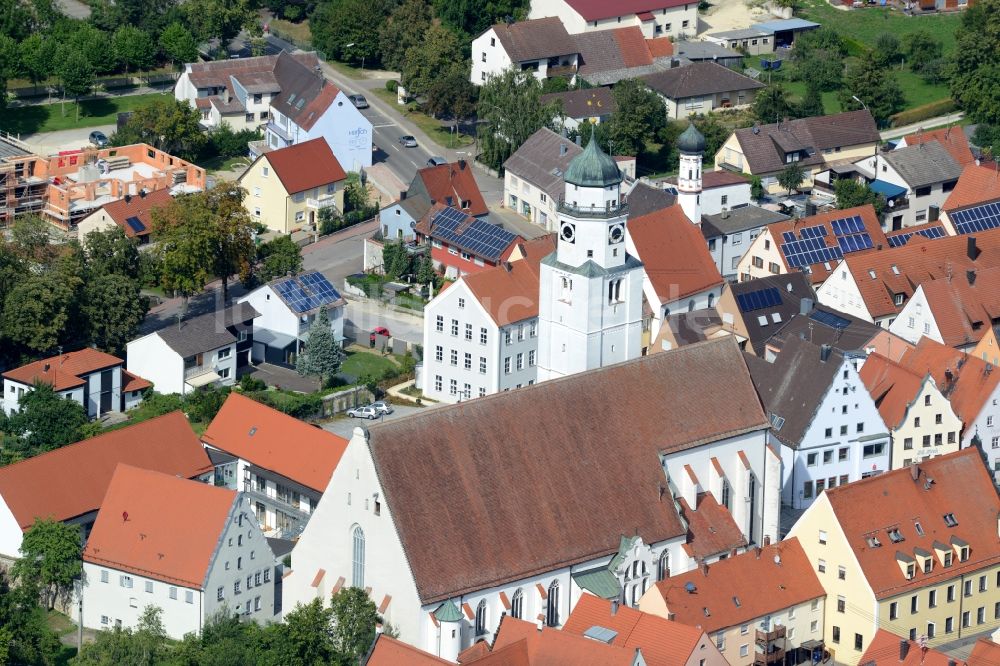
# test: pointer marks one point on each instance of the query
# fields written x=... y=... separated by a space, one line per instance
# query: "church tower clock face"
x=568 y=232
x=616 y=234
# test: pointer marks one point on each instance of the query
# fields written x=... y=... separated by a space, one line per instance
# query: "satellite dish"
x=777 y=558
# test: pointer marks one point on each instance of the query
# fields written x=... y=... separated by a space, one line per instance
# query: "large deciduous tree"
x=178 y=44
x=435 y=56
x=278 y=257
x=146 y=644
x=975 y=63
x=168 y=124
x=772 y=104
x=113 y=308
x=875 y=87
x=77 y=75
x=46 y=421
x=306 y=636
x=791 y=177
x=133 y=48
x=38 y=310
x=818 y=56
x=640 y=115
x=50 y=559
x=38 y=58
x=111 y=252
x=25 y=637
x=510 y=111
x=354 y=618
x=469 y=18
x=405 y=28
x=346 y=30
x=218 y=19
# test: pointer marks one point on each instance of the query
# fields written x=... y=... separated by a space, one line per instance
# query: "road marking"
x=395 y=146
x=386 y=125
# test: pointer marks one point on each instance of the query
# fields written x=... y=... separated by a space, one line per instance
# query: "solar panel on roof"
x=899 y=240
x=830 y=319
x=759 y=299
x=977 y=218
x=477 y=236
x=135 y=224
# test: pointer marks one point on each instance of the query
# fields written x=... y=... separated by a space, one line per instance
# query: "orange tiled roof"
x=275 y=441
x=455 y=181
x=977 y=184
x=760 y=584
x=951 y=139
x=132 y=382
x=66 y=371
x=76 y=477
x=509 y=292
x=984 y=653
x=967 y=382
x=389 y=651
x=889 y=345
x=305 y=165
x=633 y=46
x=160 y=526
x=663 y=642
x=660 y=47
x=965 y=305
x=892 y=386
x=884 y=649
x=711 y=528
x=520 y=643
x=674 y=254
x=140 y=206
x=894 y=499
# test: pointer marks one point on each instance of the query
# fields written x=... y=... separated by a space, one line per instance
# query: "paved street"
x=344 y=426
x=53 y=142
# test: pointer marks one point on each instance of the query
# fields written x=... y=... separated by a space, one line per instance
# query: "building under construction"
x=21 y=191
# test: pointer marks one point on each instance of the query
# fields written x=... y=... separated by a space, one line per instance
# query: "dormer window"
x=895 y=535
x=898 y=299
x=910 y=570
x=949 y=520
x=873 y=541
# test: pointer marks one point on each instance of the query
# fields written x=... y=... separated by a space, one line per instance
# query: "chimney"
x=904 y=648
x=971 y=277
x=948 y=375
x=971 y=248
x=952 y=662
x=579 y=139
x=402 y=195
x=732 y=553
x=767 y=539
x=725 y=212
x=506 y=266
x=128 y=198
x=805 y=306
x=614 y=607
x=756 y=552
x=704 y=568
x=824 y=353
x=461 y=165
x=914 y=472
x=562 y=149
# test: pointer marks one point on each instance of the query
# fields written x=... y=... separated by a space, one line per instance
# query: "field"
x=50 y=118
x=865 y=25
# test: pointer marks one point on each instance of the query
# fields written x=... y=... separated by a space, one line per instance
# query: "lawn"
x=296 y=33
x=865 y=25
x=435 y=129
x=359 y=363
x=220 y=163
x=916 y=91
x=50 y=117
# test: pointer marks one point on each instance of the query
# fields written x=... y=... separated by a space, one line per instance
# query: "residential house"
x=702 y=87
x=687 y=52
x=971 y=387
x=179 y=545
x=825 y=326
x=586 y=105
x=926 y=171
x=759 y=308
x=889 y=648
x=957 y=311
x=823 y=421
x=656 y=18
x=287 y=308
x=533 y=177
x=759 y=607
x=207 y=349
x=76 y=477
x=462 y=244
x=398 y=219
x=662 y=642
x=391 y=540
x=609 y=56
x=687 y=328
x=971 y=206
x=524 y=642
x=721 y=191
x=541 y=46
x=815 y=144
x=730 y=233
x=918 y=415
x=452 y=185
x=875 y=286
x=481 y=334
x=678 y=271
x=988 y=347
x=288 y=188
x=762 y=38
x=952 y=139
x=282 y=465
x=813 y=244
x=131 y=214
x=906 y=550
x=97 y=381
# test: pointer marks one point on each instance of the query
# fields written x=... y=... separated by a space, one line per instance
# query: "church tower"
x=590 y=289
x=691 y=145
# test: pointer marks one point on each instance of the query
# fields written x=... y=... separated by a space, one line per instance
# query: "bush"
x=249 y=383
x=916 y=114
x=299 y=405
x=408 y=364
x=392 y=85
x=227 y=143
x=203 y=404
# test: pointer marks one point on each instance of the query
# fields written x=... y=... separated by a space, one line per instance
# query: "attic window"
x=777 y=421
x=706 y=612
x=895 y=269
x=895 y=535
x=920 y=528
x=736 y=600
x=762 y=320
x=898 y=299
x=873 y=541
x=298 y=105
x=949 y=520
x=871 y=274
x=253 y=431
x=291 y=98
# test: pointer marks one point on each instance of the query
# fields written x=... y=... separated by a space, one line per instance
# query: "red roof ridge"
x=305 y=165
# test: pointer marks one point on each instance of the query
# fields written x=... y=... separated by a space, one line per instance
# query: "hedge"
x=916 y=114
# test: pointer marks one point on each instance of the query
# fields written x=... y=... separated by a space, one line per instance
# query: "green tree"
x=305 y=637
x=715 y=133
x=50 y=559
x=850 y=193
x=975 y=63
x=345 y=29
x=921 y=49
x=77 y=76
x=168 y=124
x=218 y=19
x=354 y=618
x=25 y=637
x=234 y=229
x=355 y=194
x=452 y=96
x=791 y=177
x=31 y=239
x=640 y=115
x=142 y=646
x=113 y=309
x=887 y=50
x=510 y=111
x=278 y=257
x=425 y=270
x=756 y=188
x=46 y=421
x=772 y=105
x=151 y=16
x=185 y=246
x=395 y=260
x=321 y=357
x=178 y=44
x=811 y=104
x=38 y=310
x=875 y=87
x=437 y=55
x=469 y=18
x=404 y=28
x=134 y=48
x=92 y=43
x=111 y=252
x=38 y=58
x=818 y=56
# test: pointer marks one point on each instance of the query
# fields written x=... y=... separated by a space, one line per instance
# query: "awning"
x=204 y=379
x=886 y=189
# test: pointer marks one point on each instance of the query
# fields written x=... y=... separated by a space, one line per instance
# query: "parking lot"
x=344 y=426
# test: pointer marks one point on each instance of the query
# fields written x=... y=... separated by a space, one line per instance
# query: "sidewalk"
x=897 y=132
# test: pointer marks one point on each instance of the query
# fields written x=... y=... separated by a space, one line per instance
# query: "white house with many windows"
x=189 y=548
x=823 y=419
x=481 y=333
x=656 y=18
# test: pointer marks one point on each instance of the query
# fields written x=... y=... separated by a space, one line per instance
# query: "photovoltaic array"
x=306 y=292
x=476 y=236
x=810 y=248
x=977 y=218
x=851 y=234
x=135 y=224
x=899 y=240
x=759 y=299
x=830 y=319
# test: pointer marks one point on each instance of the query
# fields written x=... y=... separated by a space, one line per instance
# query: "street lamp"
x=347 y=46
x=865 y=106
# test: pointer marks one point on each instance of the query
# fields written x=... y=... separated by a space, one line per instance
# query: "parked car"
x=382 y=407
x=98 y=138
x=366 y=412
x=407 y=141
x=436 y=160
x=358 y=101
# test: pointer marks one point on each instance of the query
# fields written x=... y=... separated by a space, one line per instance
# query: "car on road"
x=407 y=141
x=98 y=138
x=382 y=407
x=436 y=160
x=358 y=101
x=366 y=412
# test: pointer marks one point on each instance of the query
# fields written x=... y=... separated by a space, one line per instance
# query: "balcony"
x=770 y=647
x=561 y=70
x=593 y=211
x=279 y=131
x=326 y=201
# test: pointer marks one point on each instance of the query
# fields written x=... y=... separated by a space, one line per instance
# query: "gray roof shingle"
x=542 y=161
x=208 y=331
x=534 y=40
x=923 y=164
x=738 y=219
x=699 y=78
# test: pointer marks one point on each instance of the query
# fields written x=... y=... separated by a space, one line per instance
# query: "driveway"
x=344 y=425
x=52 y=142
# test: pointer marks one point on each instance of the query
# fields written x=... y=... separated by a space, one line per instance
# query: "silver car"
x=382 y=407
x=408 y=141
x=366 y=412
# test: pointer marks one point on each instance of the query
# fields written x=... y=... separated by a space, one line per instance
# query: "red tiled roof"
x=762 y=586
x=474 y=651
x=951 y=139
x=140 y=206
x=595 y=10
x=965 y=380
x=520 y=643
x=76 y=477
x=305 y=165
x=663 y=642
x=965 y=305
x=509 y=292
x=389 y=651
x=131 y=382
x=892 y=386
x=711 y=528
x=660 y=47
x=66 y=371
x=984 y=653
x=884 y=650
x=275 y=441
x=889 y=345
x=319 y=104
x=674 y=254
x=869 y=506
x=977 y=184
x=819 y=272
x=159 y=526
x=632 y=46
x=454 y=181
